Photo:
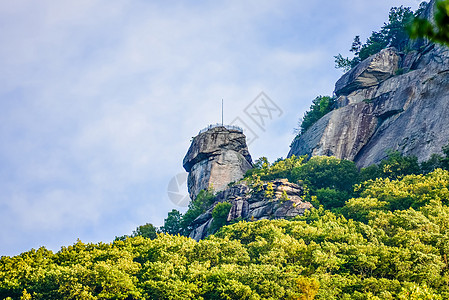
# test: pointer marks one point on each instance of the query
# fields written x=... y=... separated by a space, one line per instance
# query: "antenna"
x=222 y=112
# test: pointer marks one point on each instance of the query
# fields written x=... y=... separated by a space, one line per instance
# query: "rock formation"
x=216 y=157
x=249 y=204
x=391 y=100
x=219 y=156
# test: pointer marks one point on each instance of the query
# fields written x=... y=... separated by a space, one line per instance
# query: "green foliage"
x=269 y=191
x=172 y=224
x=330 y=182
x=321 y=105
x=331 y=198
x=359 y=208
x=169 y=267
x=219 y=215
x=330 y=179
x=392 y=34
x=146 y=231
x=197 y=207
x=399 y=254
x=389 y=241
x=343 y=63
x=282 y=168
x=322 y=172
x=284 y=197
x=438 y=30
x=409 y=191
x=436 y=161
x=395 y=166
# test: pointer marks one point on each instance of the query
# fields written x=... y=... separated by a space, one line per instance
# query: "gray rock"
x=216 y=158
x=262 y=212
x=290 y=209
x=201 y=231
x=203 y=218
x=257 y=204
x=408 y=112
x=341 y=133
x=251 y=206
x=370 y=72
x=239 y=209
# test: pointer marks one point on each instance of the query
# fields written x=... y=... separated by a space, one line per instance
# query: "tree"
x=356 y=46
x=397 y=165
x=220 y=215
x=445 y=159
x=281 y=168
x=343 y=63
x=395 y=30
x=172 y=224
x=346 y=63
x=322 y=172
x=321 y=105
x=392 y=34
x=147 y=231
x=434 y=162
x=203 y=201
x=438 y=30
x=408 y=191
x=331 y=198
x=394 y=166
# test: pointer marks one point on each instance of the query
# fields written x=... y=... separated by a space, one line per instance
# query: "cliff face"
x=391 y=100
x=215 y=158
x=248 y=204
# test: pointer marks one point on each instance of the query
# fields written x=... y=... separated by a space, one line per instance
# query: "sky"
x=100 y=99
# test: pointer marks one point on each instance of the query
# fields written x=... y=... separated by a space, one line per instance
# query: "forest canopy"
x=386 y=237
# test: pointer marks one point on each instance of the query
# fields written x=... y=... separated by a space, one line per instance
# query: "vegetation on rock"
x=321 y=105
x=438 y=30
x=394 y=33
x=220 y=215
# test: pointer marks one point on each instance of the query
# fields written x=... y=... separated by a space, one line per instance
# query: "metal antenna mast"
x=222 y=112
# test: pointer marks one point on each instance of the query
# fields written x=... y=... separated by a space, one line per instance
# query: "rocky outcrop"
x=368 y=73
x=391 y=101
x=219 y=156
x=216 y=157
x=253 y=204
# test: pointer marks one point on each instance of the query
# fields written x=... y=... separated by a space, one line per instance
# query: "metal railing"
x=229 y=127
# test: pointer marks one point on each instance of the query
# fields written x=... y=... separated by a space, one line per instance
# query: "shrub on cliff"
x=438 y=30
x=394 y=33
x=321 y=105
x=198 y=206
x=219 y=215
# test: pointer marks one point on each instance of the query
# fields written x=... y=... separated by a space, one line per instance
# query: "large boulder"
x=216 y=157
x=370 y=72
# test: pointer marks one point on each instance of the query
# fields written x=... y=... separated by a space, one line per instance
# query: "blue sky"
x=100 y=99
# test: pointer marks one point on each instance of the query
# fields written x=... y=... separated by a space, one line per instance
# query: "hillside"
x=377 y=254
